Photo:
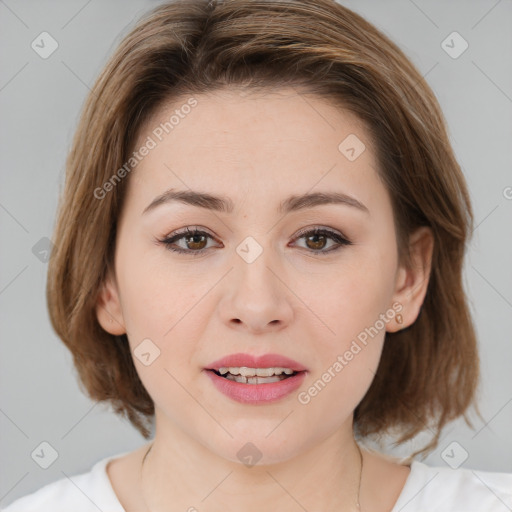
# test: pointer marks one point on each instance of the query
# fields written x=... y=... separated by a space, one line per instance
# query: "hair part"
x=429 y=372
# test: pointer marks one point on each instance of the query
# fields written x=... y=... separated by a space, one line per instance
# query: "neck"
x=180 y=471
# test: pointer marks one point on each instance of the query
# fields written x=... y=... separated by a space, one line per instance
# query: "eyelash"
x=333 y=235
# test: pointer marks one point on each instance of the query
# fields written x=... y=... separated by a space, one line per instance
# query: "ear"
x=412 y=283
x=108 y=307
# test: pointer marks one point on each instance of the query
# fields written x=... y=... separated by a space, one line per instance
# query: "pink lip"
x=256 y=393
x=264 y=361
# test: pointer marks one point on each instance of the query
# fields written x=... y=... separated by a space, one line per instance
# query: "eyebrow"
x=225 y=204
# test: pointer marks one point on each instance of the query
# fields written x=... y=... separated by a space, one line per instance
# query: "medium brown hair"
x=428 y=372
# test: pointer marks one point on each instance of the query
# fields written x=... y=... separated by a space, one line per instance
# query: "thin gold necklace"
x=358 y=504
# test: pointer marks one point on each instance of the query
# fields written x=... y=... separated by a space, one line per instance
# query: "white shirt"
x=427 y=489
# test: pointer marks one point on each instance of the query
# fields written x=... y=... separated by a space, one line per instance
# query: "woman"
x=260 y=246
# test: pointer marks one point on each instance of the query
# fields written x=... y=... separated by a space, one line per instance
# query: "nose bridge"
x=253 y=264
x=256 y=296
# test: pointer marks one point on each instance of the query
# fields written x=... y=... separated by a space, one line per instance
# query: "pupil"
x=316 y=236
x=194 y=237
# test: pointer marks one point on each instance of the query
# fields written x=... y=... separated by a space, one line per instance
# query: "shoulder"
x=442 y=489
x=85 y=492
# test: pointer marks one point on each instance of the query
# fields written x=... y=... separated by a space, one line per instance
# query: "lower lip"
x=256 y=393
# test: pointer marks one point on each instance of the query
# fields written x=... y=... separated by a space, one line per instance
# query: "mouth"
x=256 y=379
x=256 y=389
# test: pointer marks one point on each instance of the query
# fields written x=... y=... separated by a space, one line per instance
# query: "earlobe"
x=412 y=282
x=108 y=308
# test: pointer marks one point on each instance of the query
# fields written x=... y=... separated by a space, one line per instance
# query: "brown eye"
x=316 y=242
x=192 y=242
x=195 y=242
x=317 y=239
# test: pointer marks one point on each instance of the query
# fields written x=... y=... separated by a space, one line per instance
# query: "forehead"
x=255 y=144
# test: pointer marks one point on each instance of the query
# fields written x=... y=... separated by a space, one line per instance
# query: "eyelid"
x=189 y=230
x=319 y=228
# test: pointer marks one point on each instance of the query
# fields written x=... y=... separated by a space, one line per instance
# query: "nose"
x=256 y=296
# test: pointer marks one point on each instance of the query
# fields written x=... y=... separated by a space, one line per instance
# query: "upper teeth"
x=251 y=372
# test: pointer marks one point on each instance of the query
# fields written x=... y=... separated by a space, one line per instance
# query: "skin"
x=257 y=149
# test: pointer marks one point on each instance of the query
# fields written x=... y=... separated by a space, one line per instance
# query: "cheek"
x=155 y=294
x=166 y=308
x=347 y=354
x=158 y=314
x=356 y=295
x=349 y=350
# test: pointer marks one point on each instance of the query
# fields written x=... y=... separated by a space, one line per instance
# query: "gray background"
x=40 y=100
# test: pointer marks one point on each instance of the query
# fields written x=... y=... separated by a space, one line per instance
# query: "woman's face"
x=262 y=283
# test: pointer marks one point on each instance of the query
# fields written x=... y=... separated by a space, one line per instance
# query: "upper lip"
x=249 y=361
